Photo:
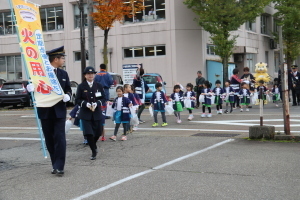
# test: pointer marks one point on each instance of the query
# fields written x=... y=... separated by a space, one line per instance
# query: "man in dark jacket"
x=199 y=85
x=295 y=83
x=53 y=118
x=105 y=79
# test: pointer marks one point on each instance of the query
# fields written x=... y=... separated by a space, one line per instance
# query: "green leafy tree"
x=220 y=17
x=288 y=16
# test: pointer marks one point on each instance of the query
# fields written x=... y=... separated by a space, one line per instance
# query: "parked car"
x=14 y=93
x=2 y=81
x=117 y=81
x=74 y=86
x=151 y=79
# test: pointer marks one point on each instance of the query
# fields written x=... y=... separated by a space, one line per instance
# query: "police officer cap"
x=294 y=66
x=57 y=51
x=218 y=82
x=89 y=69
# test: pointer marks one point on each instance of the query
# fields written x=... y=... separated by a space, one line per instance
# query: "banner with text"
x=129 y=72
x=38 y=68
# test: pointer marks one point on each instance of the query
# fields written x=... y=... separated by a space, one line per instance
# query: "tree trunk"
x=91 y=40
x=105 y=58
x=225 y=70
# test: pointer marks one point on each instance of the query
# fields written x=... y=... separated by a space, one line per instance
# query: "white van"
x=117 y=81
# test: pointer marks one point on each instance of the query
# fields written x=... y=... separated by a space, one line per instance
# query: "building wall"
x=185 y=43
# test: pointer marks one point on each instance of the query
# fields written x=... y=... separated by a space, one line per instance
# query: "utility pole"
x=82 y=37
x=91 y=40
x=284 y=88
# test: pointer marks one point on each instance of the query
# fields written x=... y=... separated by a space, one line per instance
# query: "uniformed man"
x=53 y=118
x=295 y=79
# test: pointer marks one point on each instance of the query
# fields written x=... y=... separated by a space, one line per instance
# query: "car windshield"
x=151 y=79
x=8 y=86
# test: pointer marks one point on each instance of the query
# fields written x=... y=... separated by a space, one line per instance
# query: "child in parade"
x=244 y=96
x=122 y=115
x=158 y=101
x=276 y=94
x=191 y=96
x=218 y=91
x=206 y=91
x=177 y=100
x=264 y=90
x=229 y=96
x=74 y=115
x=138 y=103
x=130 y=96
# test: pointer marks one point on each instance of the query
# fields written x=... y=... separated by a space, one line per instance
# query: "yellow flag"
x=38 y=68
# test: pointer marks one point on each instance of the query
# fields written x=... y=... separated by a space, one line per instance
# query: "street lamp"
x=82 y=37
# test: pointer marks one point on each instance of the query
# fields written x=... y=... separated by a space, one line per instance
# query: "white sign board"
x=129 y=72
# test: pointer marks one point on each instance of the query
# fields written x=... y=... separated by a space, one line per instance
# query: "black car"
x=14 y=93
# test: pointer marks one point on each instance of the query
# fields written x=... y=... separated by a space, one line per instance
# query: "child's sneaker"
x=191 y=116
x=102 y=138
x=208 y=115
x=241 y=110
x=178 y=121
x=124 y=138
x=85 y=142
x=247 y=110
x=135 y=128
x=231 y=110
x=226 y=111
x=276 y=105
x=220 y=112
x=113 y=138
x=203 y=115
x=164 y=124
x=155 y=124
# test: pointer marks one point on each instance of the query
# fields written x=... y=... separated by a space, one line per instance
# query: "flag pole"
x=29 y=80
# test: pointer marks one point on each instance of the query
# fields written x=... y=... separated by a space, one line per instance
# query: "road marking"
x=240 y=122
x=150 y=170
x=143 y=129
x=15 y=138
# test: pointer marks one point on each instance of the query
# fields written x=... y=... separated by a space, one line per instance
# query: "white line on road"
x=15 y=138
x=150 y=170
x=143 y=129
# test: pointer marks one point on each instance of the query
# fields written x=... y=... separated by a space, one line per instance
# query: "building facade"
x=164 y=38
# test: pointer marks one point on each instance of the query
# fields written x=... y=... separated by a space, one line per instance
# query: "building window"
x=10 y=67
x=251 y=26
x=264 y=24
x=250 y=61
x=275 y=26
x=77 y=55
x=147 y=51
x=154 y=11
x=210 y=49
x=6 y=24
x=77 y=15
x=267 y=57
x=52 y=18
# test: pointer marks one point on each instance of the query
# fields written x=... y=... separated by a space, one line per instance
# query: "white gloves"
x=66 y=98
x=88 y=105
x=30 y=87
x=94 y=105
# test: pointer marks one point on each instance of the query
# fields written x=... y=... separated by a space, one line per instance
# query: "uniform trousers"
x=92 y=130
x=55 y=138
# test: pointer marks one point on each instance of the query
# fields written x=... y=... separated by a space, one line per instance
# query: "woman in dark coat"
x=90 y=97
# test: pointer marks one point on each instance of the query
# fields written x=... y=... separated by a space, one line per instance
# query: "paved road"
x=155 y=163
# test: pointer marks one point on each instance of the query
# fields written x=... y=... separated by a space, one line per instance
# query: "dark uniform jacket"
x=58 y=110
x=296 y=81
x=86 y=94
